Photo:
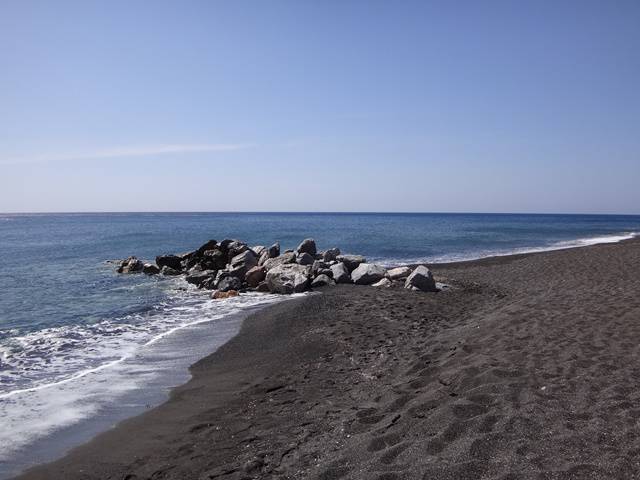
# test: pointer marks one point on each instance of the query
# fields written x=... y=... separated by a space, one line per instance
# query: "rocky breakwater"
x=230 y=267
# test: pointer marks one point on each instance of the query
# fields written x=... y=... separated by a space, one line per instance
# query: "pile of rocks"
x=231 y=266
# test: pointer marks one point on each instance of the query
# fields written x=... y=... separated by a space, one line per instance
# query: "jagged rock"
x=150 y=269
x=331 y=254
x=236 y=247
x=321 y=281
x=351 y=261
x=285 y=258
x=368 y=273
x=210 y=245
x=324 y=271
x=255 y=275
x=242 y=263
x=198 y=278
x=227 y=283
x=317 y=266
x=219 y=294
x=215 y=259
x=421 y=279
x=340 y=273
x=130 y=265
x=308 y=245
x=167 y=270
x=258 y=250
x=304 y=258
x=274 y=250
x=384 y=283
x=171 y=261
x=398 y=273
x=262 y=287
x=289 y=278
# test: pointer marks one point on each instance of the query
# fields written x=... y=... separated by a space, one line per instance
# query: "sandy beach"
x=527 y=368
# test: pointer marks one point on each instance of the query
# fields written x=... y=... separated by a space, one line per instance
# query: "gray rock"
x=172 y=261
x=368 y=273
x=285 y=258
x=242 y=263
x=304 y=259
x=398 y=273
x=274 y=250
x=131 y=265
x=421 y=279
x=258 y=250
x=150 y=269
x=198 y=278
x=210 y=245
x=321 y=281
x=215 y=259
x=262 y=287
x=288 y=278
x=167 y=270
x=340 y=273
x=255 y=275
x=384 y=283
x=331 y=254
x=308 y=245
x=324 y=271
x=227 y=283
x=351 y=261
x=236 y=247
x=317 y=266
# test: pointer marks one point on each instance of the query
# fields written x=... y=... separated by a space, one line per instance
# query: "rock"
x=321 y=281
x=219 y=295
x=171 y=261
x=262 y=287
x=274 y=250
x=263 y=258
x=331 y=254
x=305 y=258
x=421 y=279
x=398 y=273
x=198 y=278
x=236 y=247
x=130 y=265
x=324 y=271
x=288 y=278
x=227 y=283
x=351 y=261
x=317 y=266
x=340 y=273
x=283 y=259
x=258 y=250
x=167 y=270
x=368 y=273
x=210 y=245
x=308 y=245
x=150 y=269
x=215 y=259
x=384 y=283
x=242 y=263
x=255 y=275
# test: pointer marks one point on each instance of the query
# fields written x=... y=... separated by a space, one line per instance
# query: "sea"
x=82 y=348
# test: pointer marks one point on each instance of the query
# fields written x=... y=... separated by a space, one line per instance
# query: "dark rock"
x=171 y=261
x=150 y=269
x=421 y=279
x=236 y=248
x=215 y=259
x=198 y=278
x=304 y=259
x=288 y=278
x=210 y=245
x=351 y=261
x=321 y=281
x=368 y=273
x=274 y=250
x=255 y=275
x=340 y=273
x=242 y=263
x=308 y=245
x=130 y=265
x=262 y=287
x=331 y=254
x=167 y=270
x=317 y=266
x=258 y=250
x=227 y=283
x=285 y=258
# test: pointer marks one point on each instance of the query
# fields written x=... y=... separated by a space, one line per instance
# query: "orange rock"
x=218 y=295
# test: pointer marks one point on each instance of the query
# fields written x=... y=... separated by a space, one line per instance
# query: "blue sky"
x=498 y=106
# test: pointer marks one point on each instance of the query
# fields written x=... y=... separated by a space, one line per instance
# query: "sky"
x=452 y=106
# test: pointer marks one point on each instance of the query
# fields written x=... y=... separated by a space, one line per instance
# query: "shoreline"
x=279 y=338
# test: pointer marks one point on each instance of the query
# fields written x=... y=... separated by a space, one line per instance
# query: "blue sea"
x=82 y=347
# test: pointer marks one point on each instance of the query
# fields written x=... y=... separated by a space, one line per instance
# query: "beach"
x=527 y=367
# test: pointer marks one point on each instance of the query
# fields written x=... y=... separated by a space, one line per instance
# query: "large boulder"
x=210 y=245
x=340 y=273
x=398 y=273
x=308 y=245
x=331 y=254
x=198 y=278
x=421 y=279
x=150 y=269
x=236 y=247
x=304 y=258
x=227 y=283
x=285 y=258
x=368 y=273
x=321 y=281
x=130 y=265
x=384 y=283
x=255 y=275
x=351 y=261
x=171 y=261
x=215 y=259
x=242 y=263
x=288 y=278
x=259 y=250
x=274 y=250
x=167 y=270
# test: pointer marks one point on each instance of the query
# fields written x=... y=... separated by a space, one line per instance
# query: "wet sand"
x=528 y=368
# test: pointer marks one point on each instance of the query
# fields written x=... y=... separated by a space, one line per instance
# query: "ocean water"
x=82 y=347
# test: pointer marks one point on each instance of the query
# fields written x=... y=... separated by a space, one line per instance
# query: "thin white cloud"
x=126 y=152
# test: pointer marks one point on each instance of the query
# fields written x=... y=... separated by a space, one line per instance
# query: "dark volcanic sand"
x=527 y=369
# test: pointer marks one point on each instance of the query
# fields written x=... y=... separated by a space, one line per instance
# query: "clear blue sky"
x=500 y=106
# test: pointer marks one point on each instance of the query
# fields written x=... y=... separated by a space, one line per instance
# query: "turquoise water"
x=70 y=328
